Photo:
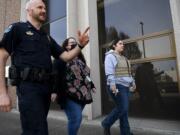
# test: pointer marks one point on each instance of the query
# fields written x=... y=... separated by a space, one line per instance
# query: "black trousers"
x=34 y=102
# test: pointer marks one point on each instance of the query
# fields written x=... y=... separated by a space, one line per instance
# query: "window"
x=58 y=30
x=56 y=23
x=146 y=28
x=130 y=17
x=57 y=9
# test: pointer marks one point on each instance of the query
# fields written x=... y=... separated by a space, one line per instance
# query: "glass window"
x=164 y=74
x=56 y=24
x=157 y=94
x=150 y=48
x=158 y=47
x=131 y=16
x=57 y=9
x=58 y=30
x=146 y=28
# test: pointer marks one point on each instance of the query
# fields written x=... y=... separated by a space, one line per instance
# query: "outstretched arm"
x=83 y=41
x=5 y=102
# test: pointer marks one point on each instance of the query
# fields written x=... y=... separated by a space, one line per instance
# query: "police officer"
x=31 y=49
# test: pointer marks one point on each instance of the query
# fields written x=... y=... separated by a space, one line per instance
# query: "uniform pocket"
x=29 y=43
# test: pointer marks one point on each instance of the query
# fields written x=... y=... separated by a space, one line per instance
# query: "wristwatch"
x=81 y=47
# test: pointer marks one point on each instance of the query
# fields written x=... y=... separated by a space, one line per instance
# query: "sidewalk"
x=139 y=126
x=10 y=125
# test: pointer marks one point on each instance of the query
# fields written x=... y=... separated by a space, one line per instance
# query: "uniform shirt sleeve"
x=10 y=39
x=56 y=49
x=110 y=64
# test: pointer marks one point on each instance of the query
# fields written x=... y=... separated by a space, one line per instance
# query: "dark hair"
x=65 y=44
x=114 y=42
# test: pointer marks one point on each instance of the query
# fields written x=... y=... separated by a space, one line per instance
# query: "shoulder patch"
x=8 y=29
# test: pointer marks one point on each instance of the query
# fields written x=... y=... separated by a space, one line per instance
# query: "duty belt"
x=35 y=75
x=30 y=74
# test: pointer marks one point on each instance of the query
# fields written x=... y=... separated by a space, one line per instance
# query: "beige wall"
x=9 y=13
x=175 y=11
x=2 y=16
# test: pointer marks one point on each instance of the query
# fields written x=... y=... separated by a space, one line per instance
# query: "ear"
x=114 y=46
x=29 y=12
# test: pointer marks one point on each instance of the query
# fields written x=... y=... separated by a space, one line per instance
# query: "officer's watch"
x=81 y=47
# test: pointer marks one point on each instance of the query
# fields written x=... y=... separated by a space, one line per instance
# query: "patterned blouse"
x=79 y=85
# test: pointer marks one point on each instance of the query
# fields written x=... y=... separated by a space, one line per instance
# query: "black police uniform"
x=31 y=48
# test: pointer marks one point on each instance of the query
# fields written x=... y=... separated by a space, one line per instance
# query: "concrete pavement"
x=10 y=125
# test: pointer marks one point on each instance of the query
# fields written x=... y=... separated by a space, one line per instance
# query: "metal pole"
x=142 y=32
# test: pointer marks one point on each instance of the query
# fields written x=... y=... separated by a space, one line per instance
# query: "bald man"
x=31 y=49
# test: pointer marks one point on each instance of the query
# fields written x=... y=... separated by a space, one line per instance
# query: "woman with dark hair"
x=69 y=44
x=77 y=87
x=119 y=81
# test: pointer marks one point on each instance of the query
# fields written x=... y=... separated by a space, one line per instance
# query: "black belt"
x=35 y=74
x=40 y=75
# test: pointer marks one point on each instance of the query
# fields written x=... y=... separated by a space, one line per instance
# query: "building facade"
x=150 y=31
x=9 y=12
